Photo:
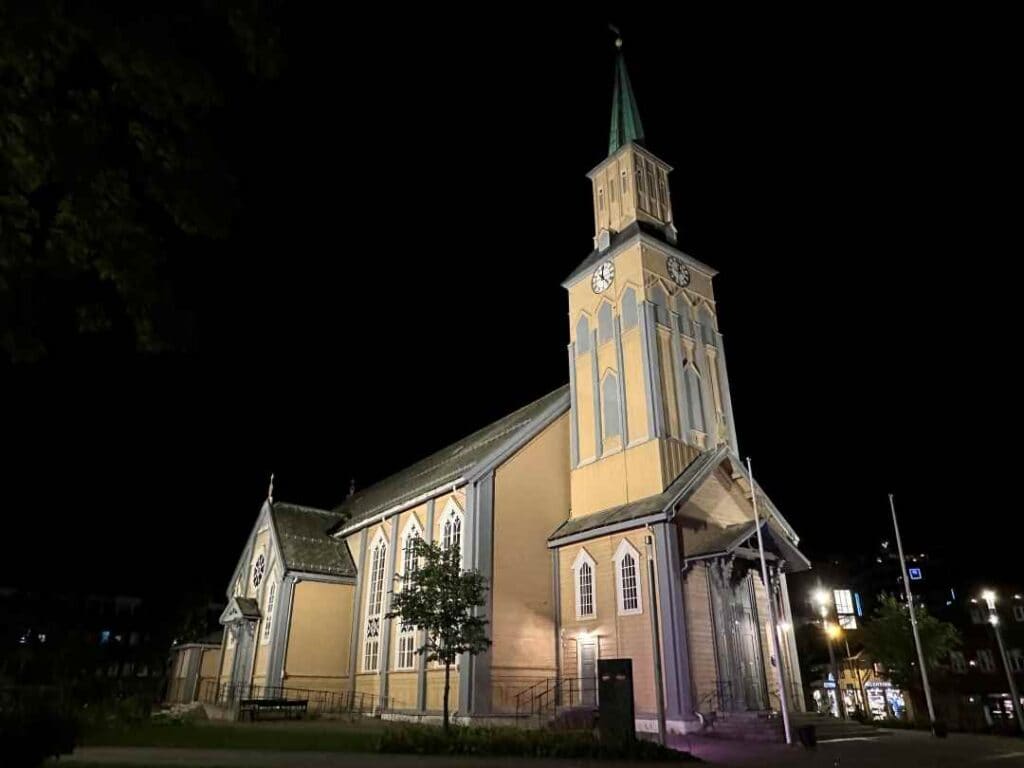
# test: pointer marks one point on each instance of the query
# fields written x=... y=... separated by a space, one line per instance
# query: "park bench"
x=288 y=707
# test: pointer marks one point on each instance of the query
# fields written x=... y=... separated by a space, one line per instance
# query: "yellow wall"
x=318 y=639
x=531 y=498
x=700 y=636
x=617 y=636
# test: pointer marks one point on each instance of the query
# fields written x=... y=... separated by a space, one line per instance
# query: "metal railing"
x=718 y=700
x=549 y=694
x=324 y=702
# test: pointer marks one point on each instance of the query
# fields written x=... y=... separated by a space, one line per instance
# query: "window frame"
x=372 y=618
x=583 y=558
x=269 y=608
x=452 y=512
x=626 y=549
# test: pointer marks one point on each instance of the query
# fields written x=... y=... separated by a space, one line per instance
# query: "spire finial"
x=270 y=490
x=626 y=125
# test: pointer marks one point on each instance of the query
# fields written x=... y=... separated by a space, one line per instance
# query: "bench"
x=289 y=707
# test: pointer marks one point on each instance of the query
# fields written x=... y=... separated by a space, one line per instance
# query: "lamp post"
x=823 y=600
x=993 y=618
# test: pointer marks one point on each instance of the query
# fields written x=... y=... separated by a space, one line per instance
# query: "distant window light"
x=986 y=661
x=844 y=601
x=848 y=622
x=105 y=637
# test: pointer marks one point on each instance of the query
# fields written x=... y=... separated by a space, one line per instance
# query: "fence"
x=322 y=702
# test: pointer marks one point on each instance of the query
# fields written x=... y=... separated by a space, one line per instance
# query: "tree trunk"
x=447 y=673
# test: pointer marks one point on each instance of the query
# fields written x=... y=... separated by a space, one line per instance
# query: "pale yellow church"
x=612 y=518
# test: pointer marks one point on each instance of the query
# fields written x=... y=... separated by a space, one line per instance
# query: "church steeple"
x=626 y=125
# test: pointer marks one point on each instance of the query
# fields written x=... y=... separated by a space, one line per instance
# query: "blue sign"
x=915 y=574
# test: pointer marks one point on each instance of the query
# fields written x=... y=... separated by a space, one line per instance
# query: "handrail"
x=359 y=702
x=547 y=695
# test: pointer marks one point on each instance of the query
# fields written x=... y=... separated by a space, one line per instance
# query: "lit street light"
x=832 y=631
x=993 y=618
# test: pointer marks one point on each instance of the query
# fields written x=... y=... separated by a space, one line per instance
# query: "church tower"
x=648 y=382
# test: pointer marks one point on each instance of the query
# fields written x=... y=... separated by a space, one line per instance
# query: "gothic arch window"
x=694 y=398
x=452 y=520
x=410 y=535
x=582 y=335
x=660 y=301
x=707 y=325
x=610 y=406
x=268 y=609
x=604 y=323
x=627 y=579
x=685 y=316
x=584 y=570
x=628 y=304
x=374 y=603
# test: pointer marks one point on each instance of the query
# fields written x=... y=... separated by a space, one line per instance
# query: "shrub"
x=30 y=736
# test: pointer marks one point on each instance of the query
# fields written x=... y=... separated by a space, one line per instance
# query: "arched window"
x=604 y=323
x=685 y=318
x=660 y=301
x=610 y=406
x=374 y=604
x=583 y=577
x=707 y=325
x=627 y=579
x=694 y=399
x=410 y=536
x=629 y=318
x=451 y=528
x=582 y=335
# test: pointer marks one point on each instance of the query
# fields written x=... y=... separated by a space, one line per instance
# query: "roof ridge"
x=305 y=508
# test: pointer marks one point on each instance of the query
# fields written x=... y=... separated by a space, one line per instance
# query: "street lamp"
x=989 y=597
x=823 y=600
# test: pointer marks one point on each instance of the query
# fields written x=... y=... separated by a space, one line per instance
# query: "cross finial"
x=270 y=490
x=618 y=35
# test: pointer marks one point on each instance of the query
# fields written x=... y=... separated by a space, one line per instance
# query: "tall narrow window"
x=583 y=572
x=627 y=578
x=694 y=399
x=707 y=325
x=683 y=308
x=268 y=613
x=604 y=323
x=406 y=656
x=582 y=335
x=410 y=536
x=374 y=604
x=451 y=527
x=622 y=183
x=600 y=199
x=610 y=403
x=629 y=316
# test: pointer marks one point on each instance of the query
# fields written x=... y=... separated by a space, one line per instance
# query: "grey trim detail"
x=384 y=660
x=678 y=686
x=469 y=554
x=604 y=530
x=595 y=380
x=723 y=384
x=583 y=270
x=619 y=361
x=556 y=583
x=574 y=437
x=677 y=374
x=484 y=562
x=645 y=351
x=357 y=601
x=421 y=675
x=307 y=576
x=282 y=630
x=654 y=359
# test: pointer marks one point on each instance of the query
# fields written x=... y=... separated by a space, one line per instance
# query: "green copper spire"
x=626 y=124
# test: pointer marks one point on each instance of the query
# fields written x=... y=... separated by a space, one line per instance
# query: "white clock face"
x=678 y=271
x=603 y=277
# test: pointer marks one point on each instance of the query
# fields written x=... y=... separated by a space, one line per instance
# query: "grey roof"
x=248 y=607
x=680 y=489
x=453 y=462
x=305 y=543
x=712 y=541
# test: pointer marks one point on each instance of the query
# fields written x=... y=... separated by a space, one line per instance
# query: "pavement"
x=893 y=749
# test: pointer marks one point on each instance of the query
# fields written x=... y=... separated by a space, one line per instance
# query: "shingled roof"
x=306 y=545
x=455 y=461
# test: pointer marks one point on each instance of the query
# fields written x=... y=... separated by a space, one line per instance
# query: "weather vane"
x=270 y=490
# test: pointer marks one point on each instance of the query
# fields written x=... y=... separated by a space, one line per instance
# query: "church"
x=612 y=518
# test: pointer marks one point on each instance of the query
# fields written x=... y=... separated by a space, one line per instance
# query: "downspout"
x=652 y=601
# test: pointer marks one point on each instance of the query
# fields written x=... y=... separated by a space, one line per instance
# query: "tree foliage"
x=109 y=157
x=889 y=639
x=441 y=599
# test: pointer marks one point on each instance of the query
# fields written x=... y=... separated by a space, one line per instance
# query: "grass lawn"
x=329 y=736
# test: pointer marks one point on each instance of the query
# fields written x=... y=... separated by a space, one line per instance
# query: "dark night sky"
x=413 y=194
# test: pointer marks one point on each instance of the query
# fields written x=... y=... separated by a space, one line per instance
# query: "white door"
x=588 y=674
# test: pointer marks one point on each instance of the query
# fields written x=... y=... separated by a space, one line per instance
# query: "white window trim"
x=409 y=635
x=584 y=557
x=267 y=632
x=378 y=540
x=453 y=510
x=624 y=548
x=412 y=527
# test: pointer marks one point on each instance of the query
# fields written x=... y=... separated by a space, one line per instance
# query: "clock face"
x=678 y=271
x=603 y=277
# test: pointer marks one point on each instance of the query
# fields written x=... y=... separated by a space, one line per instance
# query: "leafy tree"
x=441 y=598
x=889 y=639
x=111 y=166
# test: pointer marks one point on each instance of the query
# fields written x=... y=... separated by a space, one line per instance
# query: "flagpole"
x=783 y=695
x=913 y=616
